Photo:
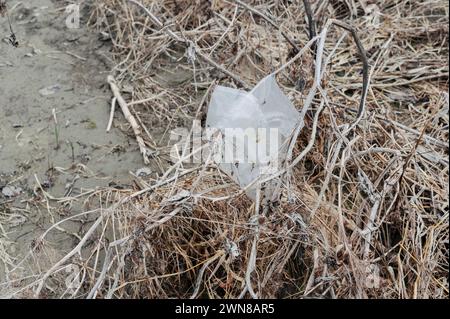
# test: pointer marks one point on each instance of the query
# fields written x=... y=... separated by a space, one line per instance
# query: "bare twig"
x=129 y=117
x=174 y=36
x=366 y=77
x=276 y=26
x=311 y=21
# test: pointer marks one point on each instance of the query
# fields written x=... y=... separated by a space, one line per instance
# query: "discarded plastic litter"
x=254 y=128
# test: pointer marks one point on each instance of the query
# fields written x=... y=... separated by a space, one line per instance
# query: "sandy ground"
x=73 y=64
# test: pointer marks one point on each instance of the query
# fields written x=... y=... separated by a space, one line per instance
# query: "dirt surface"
x=54 y=109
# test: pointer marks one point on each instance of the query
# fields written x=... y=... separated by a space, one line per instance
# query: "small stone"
x=50 y=90
x=11 y=191
x=144 y=171
x=47 y=184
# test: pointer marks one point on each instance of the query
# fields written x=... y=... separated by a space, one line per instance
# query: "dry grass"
x=364 y=196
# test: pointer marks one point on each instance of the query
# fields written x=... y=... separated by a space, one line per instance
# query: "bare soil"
x=68 y=155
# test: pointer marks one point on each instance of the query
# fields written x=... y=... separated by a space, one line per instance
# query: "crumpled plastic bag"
x=267 y=118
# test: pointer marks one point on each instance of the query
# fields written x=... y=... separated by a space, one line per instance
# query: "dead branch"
x=129 y=117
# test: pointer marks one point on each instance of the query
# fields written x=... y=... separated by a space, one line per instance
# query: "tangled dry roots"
x=364 y=213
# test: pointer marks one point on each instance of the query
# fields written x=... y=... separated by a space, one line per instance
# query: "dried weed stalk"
x=4 y=11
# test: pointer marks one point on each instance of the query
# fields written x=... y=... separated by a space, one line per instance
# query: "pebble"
x=11 y=191
x=50 y=90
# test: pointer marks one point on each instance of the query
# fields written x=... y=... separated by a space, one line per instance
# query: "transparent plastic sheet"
x=252 y=132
